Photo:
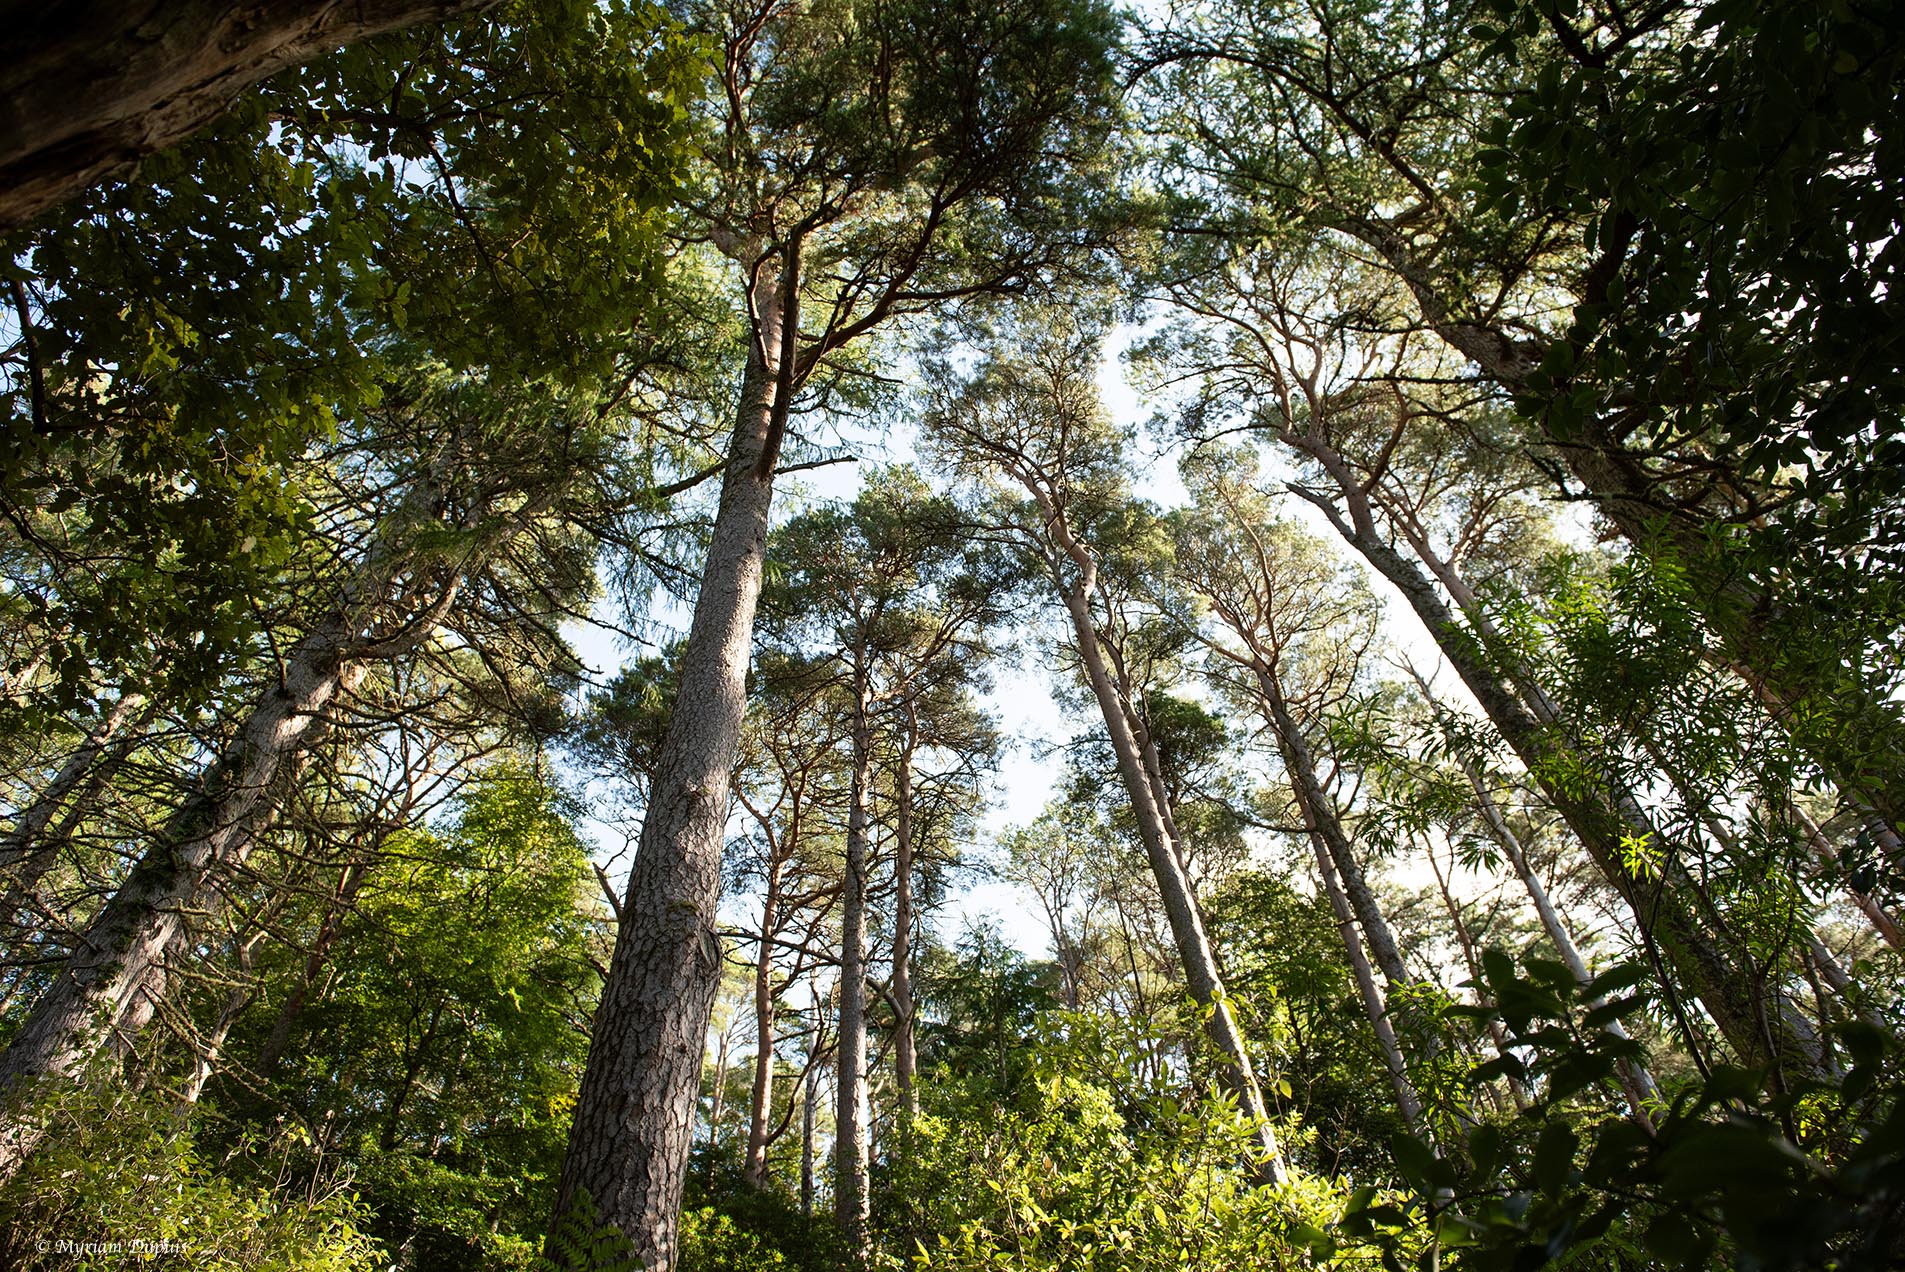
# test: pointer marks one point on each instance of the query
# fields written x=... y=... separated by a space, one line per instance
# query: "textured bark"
x=110 y=974
x=1201 y=974
x=850 y=1148
x=94 y=86
x=634 y=1119
x=905 y=1045
x=1756 y=1021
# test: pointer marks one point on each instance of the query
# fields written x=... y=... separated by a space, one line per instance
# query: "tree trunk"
x=1180 y=905
x=905 y=1046
x=1638 y=1082
x=1407 y=1101
x=1319 y=815
x=720 y=1091
x=283 y=1028
x=94 y=86
x=628 y=1147
x=22 y=842
x=1762 y=1028
x=40 y=852
x=210 y=1047
x=109 y=970
x=761 y=1100
x=807 y=1137
x=1876 y=914
x=850 y=1149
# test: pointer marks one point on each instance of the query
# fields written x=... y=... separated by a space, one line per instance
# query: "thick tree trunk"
x=850 y=1148
x=94 y=86
x=110 y=970
x=1174 y=887
x=905 y=1045
x=1759 y=1024
x=628 y=1147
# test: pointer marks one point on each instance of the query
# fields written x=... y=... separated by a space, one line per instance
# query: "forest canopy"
x=953 y=634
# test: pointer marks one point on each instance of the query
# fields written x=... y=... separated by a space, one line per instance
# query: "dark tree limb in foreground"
x=91 y=87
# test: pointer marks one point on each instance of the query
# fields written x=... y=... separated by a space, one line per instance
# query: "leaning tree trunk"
x=1320 y=816
x=1763 y=1029
x=850 y=1148
x=22 y=842
x=1174 y=887
x=95 y=86
x=1407 y=1101
x=109 y=972
x=634 y=1117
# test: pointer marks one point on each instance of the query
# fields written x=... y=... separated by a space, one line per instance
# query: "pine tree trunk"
x=850 y=1198
x=807 y=1137
x=760 y=1107
x=1762 y=1027
x=1180 y=905
x=1407 y=1101
x=93 y=87
x=634 y=1118
x=905 y=1046
x=109 y=973
x=22 y=842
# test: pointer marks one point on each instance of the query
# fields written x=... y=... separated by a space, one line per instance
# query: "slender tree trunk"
x=720 y=1090
x=152 y=74
x=43 y=852
x=283 y=1028
x=237 y=998
x=1635 y=1079
x=807 y=1137
x=905 y=1046
x=1180 y=905
x=628 y=1146
x=1319 y=815
x=210 y=833
x=761 y=1100
x=850 y=1153
x=1407 y=1101
x=1876 y=914
x=1471 y=959
x=1762 y=1027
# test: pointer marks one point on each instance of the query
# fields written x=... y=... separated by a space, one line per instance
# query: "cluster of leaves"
x=1809 y=1178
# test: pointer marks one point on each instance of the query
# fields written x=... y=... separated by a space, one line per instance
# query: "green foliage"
x=122 y=1182
x=1811 y=1178
x=1092 y=1163
x=443 y=1060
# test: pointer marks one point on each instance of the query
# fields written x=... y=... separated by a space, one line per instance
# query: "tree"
x=837 y=187
x=1029 y=421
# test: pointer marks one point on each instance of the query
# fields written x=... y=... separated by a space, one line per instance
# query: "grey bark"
x=905 y=1045
x=628 y=1147
x=1758 y=1023
x=761 y=1096
x=1407 y=1101
x=94 y=86
x=1201 y=974
x=109 y=974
